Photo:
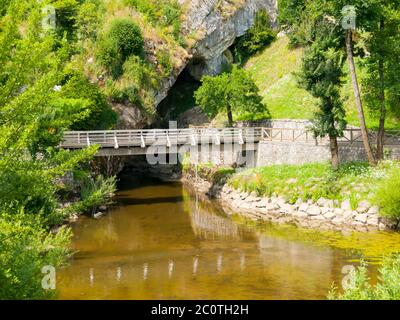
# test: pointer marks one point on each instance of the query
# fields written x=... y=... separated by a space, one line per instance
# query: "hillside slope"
x=274 y=72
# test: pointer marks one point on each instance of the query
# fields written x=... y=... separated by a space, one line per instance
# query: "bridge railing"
x=194 y=136
x=167 y=137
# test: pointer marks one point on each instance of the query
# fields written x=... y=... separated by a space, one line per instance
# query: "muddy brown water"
x=162 y=242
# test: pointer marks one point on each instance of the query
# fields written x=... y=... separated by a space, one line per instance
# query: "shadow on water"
x=161 y=242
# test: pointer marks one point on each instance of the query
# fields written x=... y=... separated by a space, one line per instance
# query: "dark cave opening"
x=180 y=97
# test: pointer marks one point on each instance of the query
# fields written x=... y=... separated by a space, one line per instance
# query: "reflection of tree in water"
x=208 y=225
x=104 y=231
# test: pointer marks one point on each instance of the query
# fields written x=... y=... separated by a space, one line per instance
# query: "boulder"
x=329 y=215
x=346 y=205
x=361 y=218
x=314 y=211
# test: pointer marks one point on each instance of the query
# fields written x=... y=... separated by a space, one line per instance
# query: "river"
x=161 y=242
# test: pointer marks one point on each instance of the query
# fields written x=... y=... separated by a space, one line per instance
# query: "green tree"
x=321 y=75
x=382 y=84
x=230 y=92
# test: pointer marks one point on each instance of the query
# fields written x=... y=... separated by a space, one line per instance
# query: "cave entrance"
x=180 y=97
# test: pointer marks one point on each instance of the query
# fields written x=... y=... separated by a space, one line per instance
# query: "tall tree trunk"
x=382 y=98
x=229 y=113
x=334 y=151
x=360 y=110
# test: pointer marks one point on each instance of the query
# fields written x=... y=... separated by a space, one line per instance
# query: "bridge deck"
x=194 y=136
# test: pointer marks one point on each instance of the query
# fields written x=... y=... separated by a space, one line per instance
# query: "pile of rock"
x=324 y=213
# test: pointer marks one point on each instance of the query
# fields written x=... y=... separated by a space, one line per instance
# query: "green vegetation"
x=387 y=195
x=274 y=71
x=122 y=40
x=233 y=92
x=321 y=75
x=359 y=287
x=164 y=13
x=256 y=38
x=40 y=98
x=355 y=181
x=25 y=248
x=97 y=111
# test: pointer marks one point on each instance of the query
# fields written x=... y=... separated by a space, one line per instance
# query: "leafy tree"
x=232 y=92
x=321 y=75
x=98 y=113
x=383 y=65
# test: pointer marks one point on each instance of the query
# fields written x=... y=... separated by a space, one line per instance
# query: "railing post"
x=168 y=141
x=116 y=146
x=87 y=139
x=241 y=141
x=351 y=135
x=142 y=142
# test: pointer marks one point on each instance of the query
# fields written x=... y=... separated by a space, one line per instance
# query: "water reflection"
x=178 y=247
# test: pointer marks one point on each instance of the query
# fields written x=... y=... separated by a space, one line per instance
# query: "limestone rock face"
x=218 y=23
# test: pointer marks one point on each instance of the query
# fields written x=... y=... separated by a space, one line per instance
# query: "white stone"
x=286 y=208
x=300 y=214
x=361 y=218
x=338 y=212
x=329 y=215
x=321 y=202
x=373 y=210
x=373 y=220
x=303 y=207
x=314 y=211
x=346 y=205
x=347 y=214
x=338 y=220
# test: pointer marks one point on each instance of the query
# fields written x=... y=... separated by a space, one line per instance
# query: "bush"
x=388 y=196
x=94 y=193
x=99 y=115
x=256 y=38
x=123 y=40
x=387 y=288
x=163 y=13
x=127 y=37
x=25 y=248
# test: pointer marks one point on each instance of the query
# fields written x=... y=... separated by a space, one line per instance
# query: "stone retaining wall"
x=324 y=214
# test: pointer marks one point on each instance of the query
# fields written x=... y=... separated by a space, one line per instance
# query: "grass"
x=274 y=72
x=355 y=181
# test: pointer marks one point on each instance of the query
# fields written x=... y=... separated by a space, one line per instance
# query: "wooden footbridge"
x=137 y=142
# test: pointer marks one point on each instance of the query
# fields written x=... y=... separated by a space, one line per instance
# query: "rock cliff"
x=216 y=24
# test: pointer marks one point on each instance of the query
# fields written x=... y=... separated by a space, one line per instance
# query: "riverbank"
x=287 y=199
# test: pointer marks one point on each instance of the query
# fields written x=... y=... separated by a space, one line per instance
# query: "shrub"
x=388 y=195
x=25 y=248
x=387 y=288
x=123 y=40
x=162 y=13
x=94 y=193
x=99 y=115
x=127 y=37
x=256 y=38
